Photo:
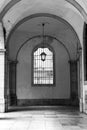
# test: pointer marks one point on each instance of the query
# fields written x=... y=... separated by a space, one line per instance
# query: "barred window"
x=43 y=70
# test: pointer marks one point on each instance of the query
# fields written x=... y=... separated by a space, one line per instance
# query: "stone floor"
x=43 y=118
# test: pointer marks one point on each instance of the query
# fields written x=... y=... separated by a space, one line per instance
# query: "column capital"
x=2 y=50
x=12 y=61
x=72 y=61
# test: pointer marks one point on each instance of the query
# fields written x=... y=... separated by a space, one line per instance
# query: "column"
x=82 y=82
x=2 y=72
x=80 y=79
x=12 y=82
x=74 y=83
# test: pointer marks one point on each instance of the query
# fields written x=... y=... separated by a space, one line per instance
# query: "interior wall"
x=25 y=90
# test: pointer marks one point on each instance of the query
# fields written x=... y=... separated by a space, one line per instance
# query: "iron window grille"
x=43 y=70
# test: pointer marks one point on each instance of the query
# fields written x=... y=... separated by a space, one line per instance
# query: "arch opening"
x=64 y=52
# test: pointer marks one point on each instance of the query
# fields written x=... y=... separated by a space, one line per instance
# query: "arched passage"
x=66 y=20
x=65 y=44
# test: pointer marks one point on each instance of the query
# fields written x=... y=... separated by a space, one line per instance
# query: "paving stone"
x=53 y=119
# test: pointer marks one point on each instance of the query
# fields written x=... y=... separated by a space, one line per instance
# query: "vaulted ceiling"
x=12 y=11
x=65 y=19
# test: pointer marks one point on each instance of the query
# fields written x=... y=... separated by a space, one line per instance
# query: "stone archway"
x=73 y=64
x=82 y=11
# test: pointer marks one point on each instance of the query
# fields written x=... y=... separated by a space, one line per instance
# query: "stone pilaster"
x=74 y=83
x=12 y=82
x=2 y=72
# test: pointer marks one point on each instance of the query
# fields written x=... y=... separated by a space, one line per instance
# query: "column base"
x=13 y=99
x=3 y=105
x=81 y=105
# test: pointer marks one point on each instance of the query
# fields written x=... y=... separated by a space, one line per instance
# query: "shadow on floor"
x=39 y=108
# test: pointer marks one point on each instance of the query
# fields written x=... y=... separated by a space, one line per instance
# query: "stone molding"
x=2 y=50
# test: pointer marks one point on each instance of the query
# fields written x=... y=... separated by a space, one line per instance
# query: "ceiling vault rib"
x=78 y=7
x=7 y=7
x=41 y=36
x=41 y=15
x=72 y=2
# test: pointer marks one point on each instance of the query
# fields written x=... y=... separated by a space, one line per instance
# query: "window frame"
x=32 y=66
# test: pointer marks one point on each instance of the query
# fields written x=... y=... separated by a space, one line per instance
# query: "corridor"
x=43 y=118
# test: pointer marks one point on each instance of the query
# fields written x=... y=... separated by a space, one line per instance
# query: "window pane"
x=43 y=70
